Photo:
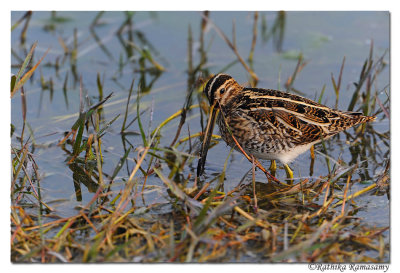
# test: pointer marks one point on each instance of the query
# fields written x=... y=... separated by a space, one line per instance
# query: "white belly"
x=285 y=156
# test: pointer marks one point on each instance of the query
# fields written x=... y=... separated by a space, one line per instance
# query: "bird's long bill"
x=206 y=140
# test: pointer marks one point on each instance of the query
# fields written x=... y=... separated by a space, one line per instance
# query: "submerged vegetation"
x=136 y=197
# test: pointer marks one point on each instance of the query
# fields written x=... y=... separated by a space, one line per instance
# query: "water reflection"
x=277 y=31
x=86 y=174
x=96 y=23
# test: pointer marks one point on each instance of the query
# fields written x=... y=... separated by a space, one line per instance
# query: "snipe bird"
x=270 y=124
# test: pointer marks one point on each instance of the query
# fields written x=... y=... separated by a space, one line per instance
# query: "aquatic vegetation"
x=112 y=178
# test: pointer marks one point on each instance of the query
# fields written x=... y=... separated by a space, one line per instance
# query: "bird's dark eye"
x=222 y=91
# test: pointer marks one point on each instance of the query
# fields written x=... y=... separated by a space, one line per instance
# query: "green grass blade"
x=97 y=105
x=322 y=94
x=127 y=107
x=101 y=131
x=13 y=79
x=28 y=74
x=78 y=139
x=139 y=119
x=99 y=85
x=25 y=63
x=120 y=164
x=203 y=213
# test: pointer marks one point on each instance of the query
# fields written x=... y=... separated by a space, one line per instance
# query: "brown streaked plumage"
x=270 y=124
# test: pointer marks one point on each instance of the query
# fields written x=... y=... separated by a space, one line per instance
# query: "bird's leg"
x=272 y=168
x=289 y=173
x=258 y=164
x=254 y=183
x=312 y=160
x=312 y=152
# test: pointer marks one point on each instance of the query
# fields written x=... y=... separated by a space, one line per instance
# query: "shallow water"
x=323 y=38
